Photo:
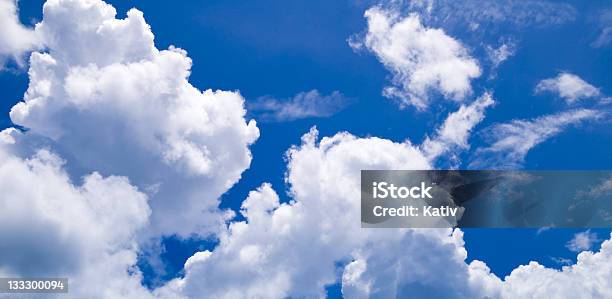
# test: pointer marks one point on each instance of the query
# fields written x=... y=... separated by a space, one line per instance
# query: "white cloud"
x=416 y=266
x=396 y=275
x=500 y=54
x=488 y=14
x=107 y=96
x=291 y=249
x=421 y=59
x=605 y=29
x=512 y=141
x=588 y=278
x=561 y=261
x=605 y=101
x=457 y=127
x=543 y=229
x=568 y=86
x=302 y=105
x=601 y=188
x=604 y=38
x=51 y=227
x=15 y=39
x=605 y=187
x=114 y=107
x=582 y=241
x=117 y=107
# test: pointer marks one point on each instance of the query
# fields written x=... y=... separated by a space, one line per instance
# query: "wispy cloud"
x=500 y=54
x=543 y=229
x=582 y=241
x=561 y=261
x=456 y=129
x=604 y=37
x=512 y=141
x=603 y=187
x=479 y=14
x=302 y=105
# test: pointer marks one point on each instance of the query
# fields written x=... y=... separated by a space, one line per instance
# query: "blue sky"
x=281 y=48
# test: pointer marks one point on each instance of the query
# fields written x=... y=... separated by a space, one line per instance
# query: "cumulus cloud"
x=295 y=249
x=52 y=227
x=291 y=249
x=302 y=105
x=568 y=86
x=120 y=106
x=588 y=278
x=420 y=59
x=15 y=39
x=456 y=129
x=510 y=142
x=582 y=241
x=104 y=94
x=115 y=107
x=400 y=269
